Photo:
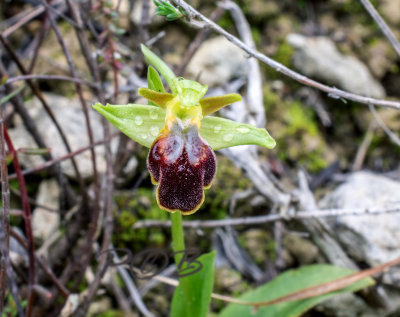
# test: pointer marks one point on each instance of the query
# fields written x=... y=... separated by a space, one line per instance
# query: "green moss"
x=283 y=55
x=296 y=131
x=394 y=69
x=126 y=219
x=299 y=118
x=255 y=33
x=271 y=99
x=141 y=206
x=226 y=21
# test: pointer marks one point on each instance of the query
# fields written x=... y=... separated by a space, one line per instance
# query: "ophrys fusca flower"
x=180 y=135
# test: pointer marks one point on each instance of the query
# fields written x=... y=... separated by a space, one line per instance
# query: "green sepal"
x=161 y=66
x=222 y=133
x=141 y=123
x=157 y=98
x=212 y=104
x=154 y=81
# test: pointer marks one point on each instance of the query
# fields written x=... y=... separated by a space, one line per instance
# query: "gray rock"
x=136 y=13
x=372 y=239
x=301 y=249
x=318 y=57
x=217 y=62
x=18 y=253
x=44 y=221
x=345 y=305
x=71 y=118
x=391 y=10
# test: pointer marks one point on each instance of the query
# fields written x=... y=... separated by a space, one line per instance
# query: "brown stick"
x=27 y=219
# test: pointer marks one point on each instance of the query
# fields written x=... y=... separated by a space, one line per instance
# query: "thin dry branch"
x=6 y=271
x=50 y=163
x=25 y=17
x=47 y=108
x=331 y=91
x=382 y=25
x=27 y=219
x=309 y=292
x=50 y=77
x=393 y=137
x=258 y=220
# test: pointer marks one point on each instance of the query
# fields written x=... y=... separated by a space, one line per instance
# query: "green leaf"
x=221 y=133
x=166 y=9
x=141 y=123
x=161 y=66
x=289 y=282
x=154 y=81
x=12 y=94
x=3 y=80
x=195 y=300
x=34 y=151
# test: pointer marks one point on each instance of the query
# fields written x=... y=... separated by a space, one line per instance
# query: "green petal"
x=158 y=98
x=161 y=66
x=154 y=81
x=189 y=91
x=221 y=133
x=212 y=104
x=141 y=123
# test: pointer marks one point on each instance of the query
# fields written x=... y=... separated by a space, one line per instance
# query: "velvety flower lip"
x=182 y=164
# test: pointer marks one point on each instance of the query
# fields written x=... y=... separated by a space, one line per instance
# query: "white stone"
x=318 y=58
x=373 y=239
x=217 y=62
x=44 y=221
x=70 y=116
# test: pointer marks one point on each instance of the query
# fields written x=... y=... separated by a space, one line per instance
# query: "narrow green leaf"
x=12 y=94
x=221 y=133
x=141 y=123
x=212 y=104
x=161 y=66
x=195 y=301
x=154 y=81
x=34 y=151
x=158 y=98
x=289 y=282
x=3 y=80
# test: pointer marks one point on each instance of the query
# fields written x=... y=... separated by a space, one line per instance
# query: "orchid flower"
x=180 y=134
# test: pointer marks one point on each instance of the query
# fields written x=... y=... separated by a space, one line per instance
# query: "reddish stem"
x=27 y=217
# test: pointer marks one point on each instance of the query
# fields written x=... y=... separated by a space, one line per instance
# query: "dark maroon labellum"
x=182 y=164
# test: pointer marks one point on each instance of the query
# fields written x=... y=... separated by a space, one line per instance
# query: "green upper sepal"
x=161 y=66
x=143 y=123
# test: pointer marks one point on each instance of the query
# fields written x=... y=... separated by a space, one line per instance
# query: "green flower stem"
x=178 y=241
x=178 y=244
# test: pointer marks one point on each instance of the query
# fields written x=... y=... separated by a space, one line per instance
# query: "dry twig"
x=331 y=91
x=382 y=25
x=258 y=220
